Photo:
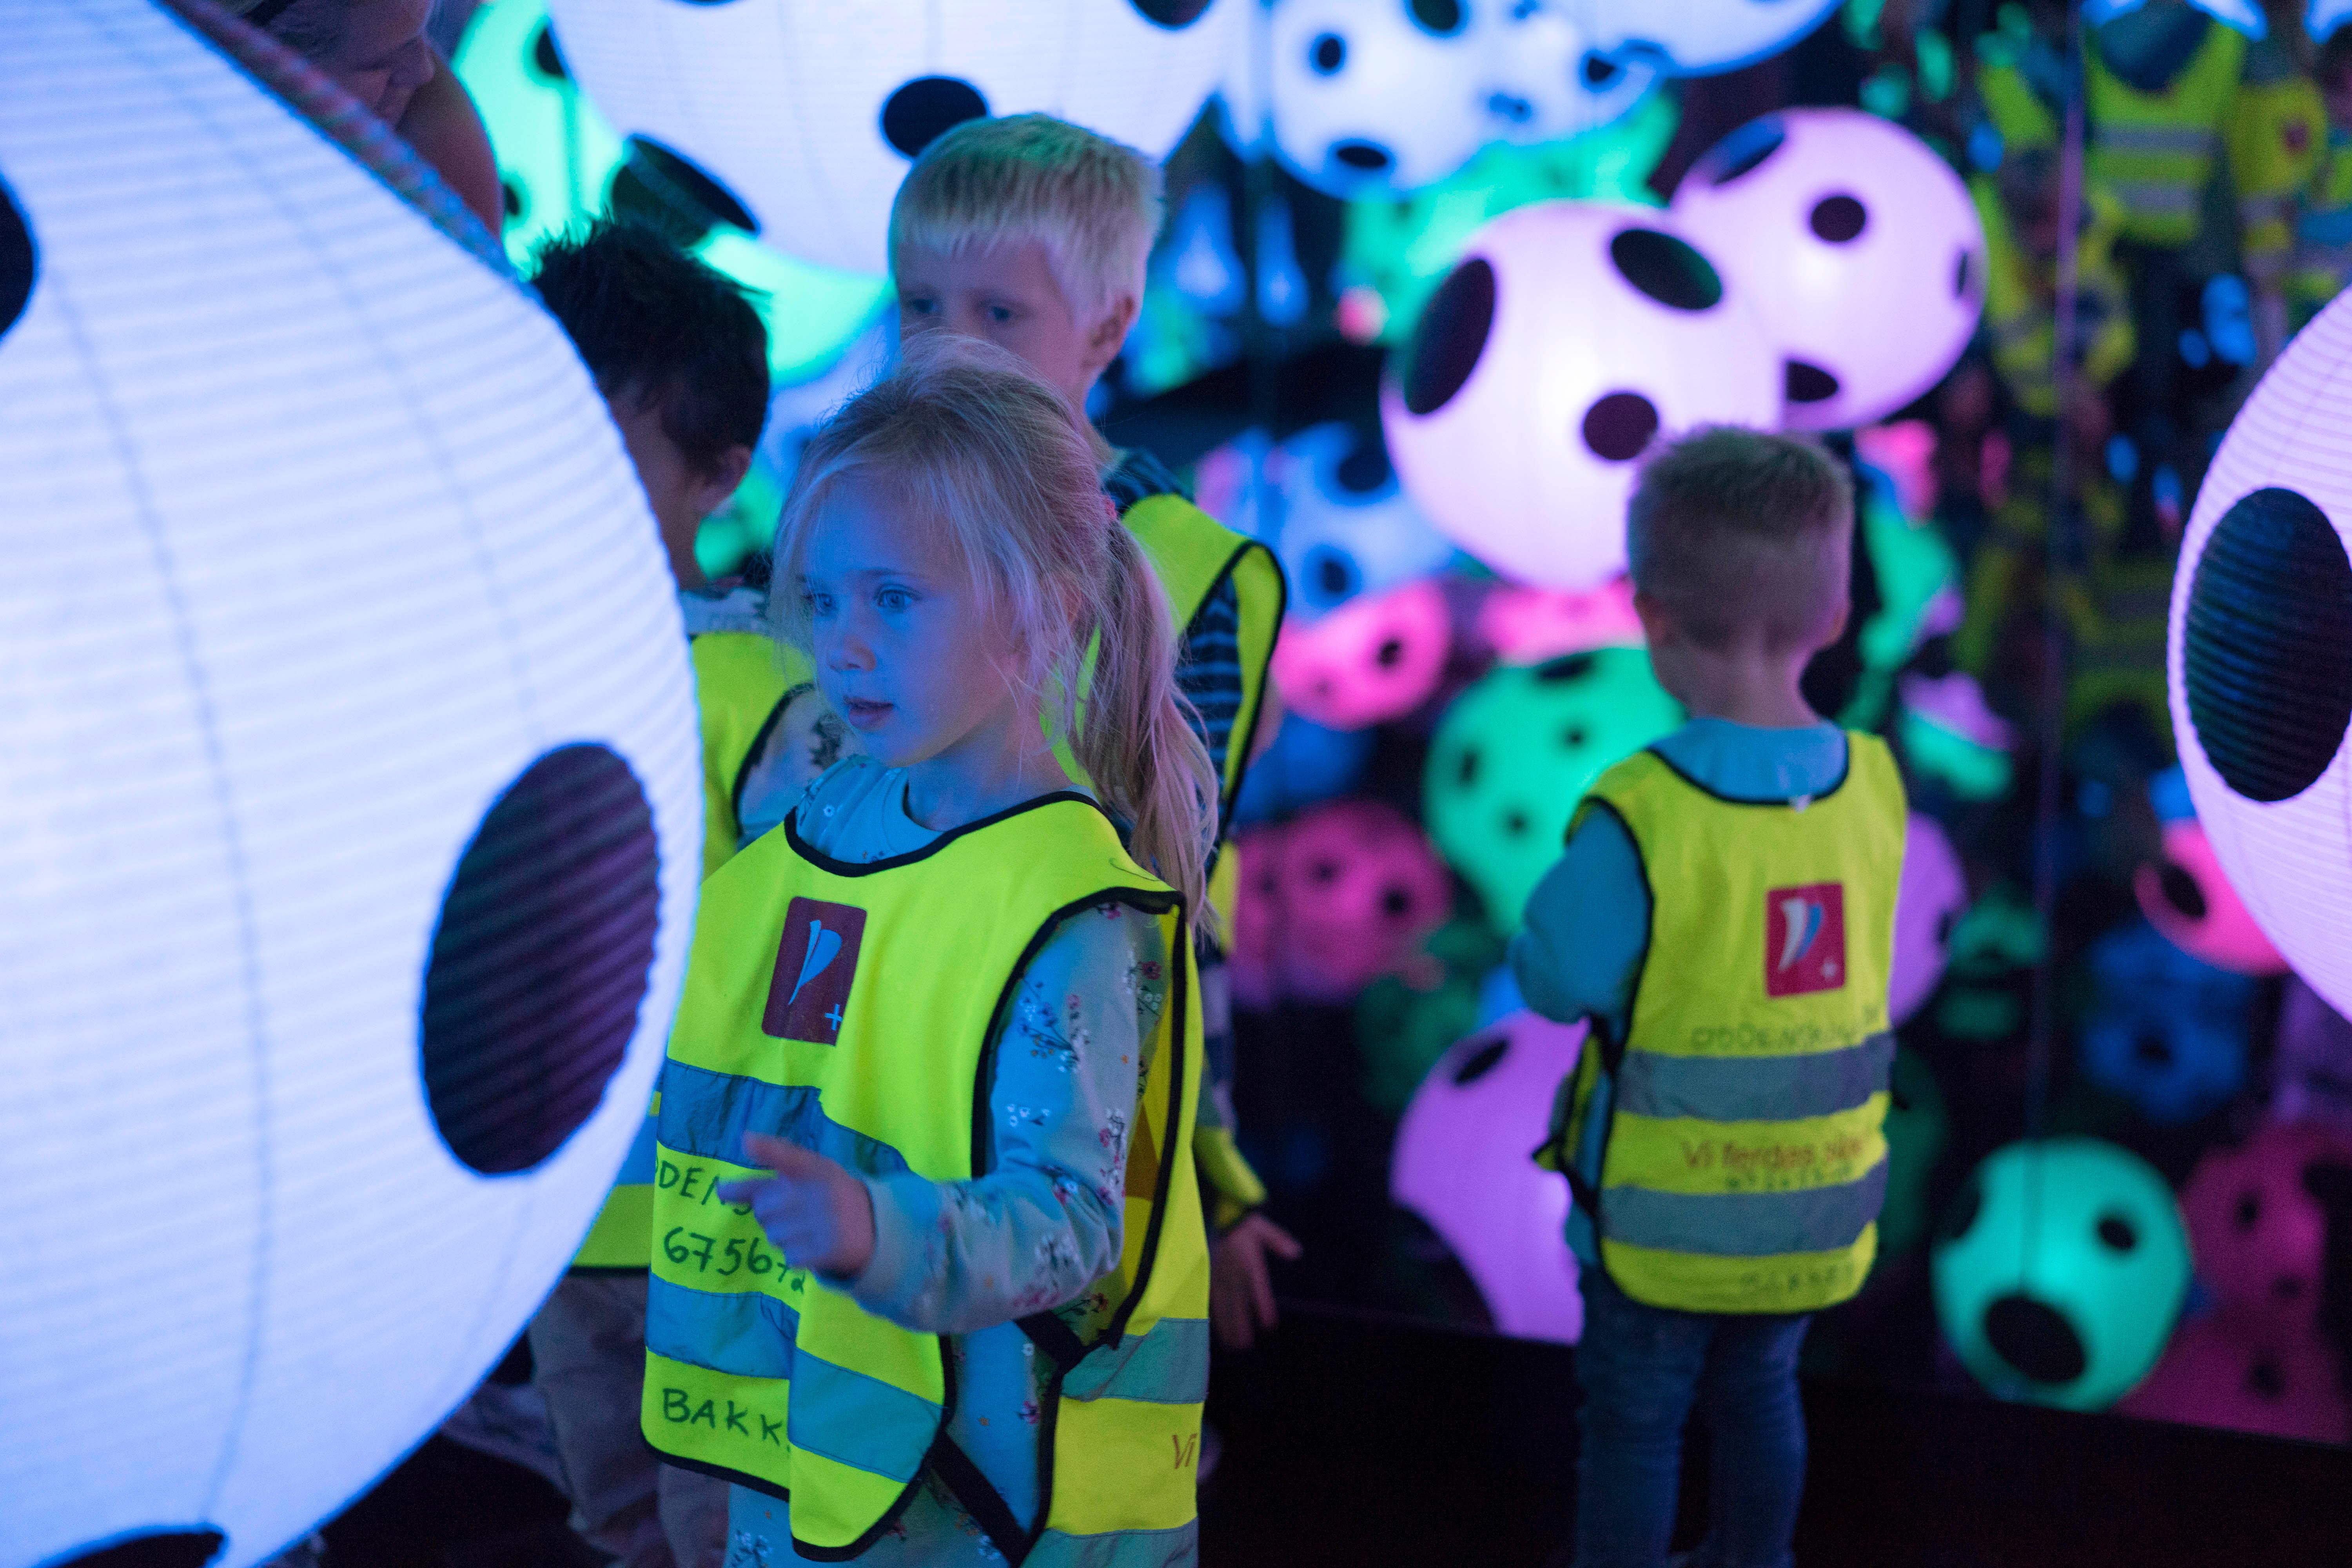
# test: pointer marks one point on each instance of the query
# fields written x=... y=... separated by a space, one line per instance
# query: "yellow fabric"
x=2277 y=135
x=2155 y=151
x=2021 y=294
x=2120 y=614
x=1715 y=871
x=1136 y=1467
x=933 y=944
x=2016 y=112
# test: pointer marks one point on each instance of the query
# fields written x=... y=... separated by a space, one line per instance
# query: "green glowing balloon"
x=1403 y=1027
x=2060 y=1271
x=1515 y=753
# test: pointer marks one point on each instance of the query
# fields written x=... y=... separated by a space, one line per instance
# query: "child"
x=1033 y=234
x=954 y=1016
x=682 y=360
x=1725 y=918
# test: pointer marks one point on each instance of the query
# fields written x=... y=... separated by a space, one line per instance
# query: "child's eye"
x=894 y=598
x=920 y=304
x=1001 y=314
x=817 y=605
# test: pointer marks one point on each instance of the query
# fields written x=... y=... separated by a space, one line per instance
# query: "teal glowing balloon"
x=1515 y=753
x=2060 y=1271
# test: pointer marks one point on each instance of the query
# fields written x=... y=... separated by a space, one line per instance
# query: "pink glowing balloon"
x=1333 y=901
x=1856 y=246
x=1464 y=1162
x=1930 y=902
x=1905 y=453
x=2190 y=900
x=1570 y=337
x=2258 y=1234
x=2220 y=1371
x=1372 y=659
x=1529 y=626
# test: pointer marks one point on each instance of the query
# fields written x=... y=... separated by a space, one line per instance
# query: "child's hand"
x=818 y=1214
x=1240 y=1286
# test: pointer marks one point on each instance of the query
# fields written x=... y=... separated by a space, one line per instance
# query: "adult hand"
x=1241 y=1281
x=817 y=1214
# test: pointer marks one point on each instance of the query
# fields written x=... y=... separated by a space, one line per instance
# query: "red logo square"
x=1804 y=939
x=816 y=958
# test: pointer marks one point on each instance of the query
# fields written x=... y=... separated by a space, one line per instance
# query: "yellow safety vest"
x=742 y=681
x=1742 y=1158
x=853 y=1009
x=2020 y=310
x=2155 y=151
x=2121 y=612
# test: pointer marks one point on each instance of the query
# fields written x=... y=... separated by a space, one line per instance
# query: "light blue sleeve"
x=1043 y=1224
x=1587 y=926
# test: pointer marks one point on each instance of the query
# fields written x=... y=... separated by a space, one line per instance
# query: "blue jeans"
x=1641 y=1368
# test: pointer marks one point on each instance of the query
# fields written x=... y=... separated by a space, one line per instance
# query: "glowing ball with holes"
x=2258 y=1231
x=1460 y=1162
x=2311 y=1060
x=1933 y=897
x=2166 y=1031
x=2224 y=1371
x=2260 y=654
x=1856 y=246
x=1699 y=38
x=1333 y=901
x=1555 y=83
x=2190 y=900
x=804 y=114
x=1367 y=662
x=1513 y=754
x=2059 y=1270
x=1347 y=528
x=1568 y=339
x=1529 y=626
x=354 y=799
x=1377 y=95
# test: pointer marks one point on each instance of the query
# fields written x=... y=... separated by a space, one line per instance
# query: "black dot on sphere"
x=1963 y=274
x=1598 y=73
x=2035 y=1339
x=1328 y=53
x=2151 y=1050
x=2268 y=654
x=1572 y=737
x=1665 y=268
x=1741 y=151
x=1450 y=336
x=1481 y=1062
x=1396 y=903
x=2180 y=890
x=1943 y=924
x=1465 y=770
x=2286 y=1288
x=2265 y=1379
x=665 y=188
x=1807 y=382
x=1515 y=824
x=540 y=959
x=2117 y=1233
x=1839 y=219
x=546 y=58
x=2249 y=1212
x=1175 y=15
x=1442 y=18
x=1330 y=572
x=1618 y=426
x=920 y=111
x=1967 y=1204
x=1391 y=653
x=1363 y=157
x=1567 y=668
x=511 y=197
x=1324 y=871
x=1366 y=469
x=184 y=1548
x=16 y=261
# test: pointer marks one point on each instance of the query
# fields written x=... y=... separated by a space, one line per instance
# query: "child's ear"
x=1110 y=332
x=1658 y=623
x=720 y=479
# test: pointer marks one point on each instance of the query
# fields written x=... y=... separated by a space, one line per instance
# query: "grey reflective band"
x=706 y=1113
x=2142 y=196
x=859 y=1421
x=1169 y=1365
x=1744 y=1225
x=1118 y=1549
x=1754 y=1089
x=2190 y=139
x=744 y=1333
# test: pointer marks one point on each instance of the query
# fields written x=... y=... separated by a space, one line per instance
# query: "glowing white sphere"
x=1696 y=37
x=1347 y=528
x=1374 y=94
x=2260 y=654
x=1856 y=246
x=1550 y=64
x=326 y=592
x=805 y=113
x=1569 y=337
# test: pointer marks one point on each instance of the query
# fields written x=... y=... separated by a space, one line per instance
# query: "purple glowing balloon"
x=1464 y=1162
x=1933 y=894
x=2258 y=1234
x=1855 y=246
x=2225 y=1371
x=1571 y=337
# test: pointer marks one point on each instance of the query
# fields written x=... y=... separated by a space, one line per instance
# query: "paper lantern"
x=1855 y=246
x=2258 y=1232
x=1697 y=38
x=796 y=118
x=2260 y=654
x=1514 y=755
x=1462 y=1161
x=1333 y=899
x=1367 y=662
x=1306 y=763
x=2167 y=1031
x=354 y=799
x=2059 y=1271
x=1529 y=626
x=1933 y=896
x=1347 y=527
x=2222 y=1370
x=1570 y=337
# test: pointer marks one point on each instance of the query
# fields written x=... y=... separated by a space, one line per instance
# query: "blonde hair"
x=1093 y=203
x=970 y=438
x=1742 y=532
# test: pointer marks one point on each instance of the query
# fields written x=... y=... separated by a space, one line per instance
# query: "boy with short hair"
x=1034 y=233
x=1724 y=916
x=681 y=358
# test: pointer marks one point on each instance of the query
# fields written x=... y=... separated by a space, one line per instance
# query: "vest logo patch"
x=1804 y=939
x=816 y=958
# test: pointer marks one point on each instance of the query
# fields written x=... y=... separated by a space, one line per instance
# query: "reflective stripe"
x=1120 y=1549
x=637 y=1169
x=2190 y=141
x=748 y=1334
x=2140 y=198
x=1744 y=1225
x=867 y=1424
x=1754 y=1089
x=1170 y=1365
x=706 y=1113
